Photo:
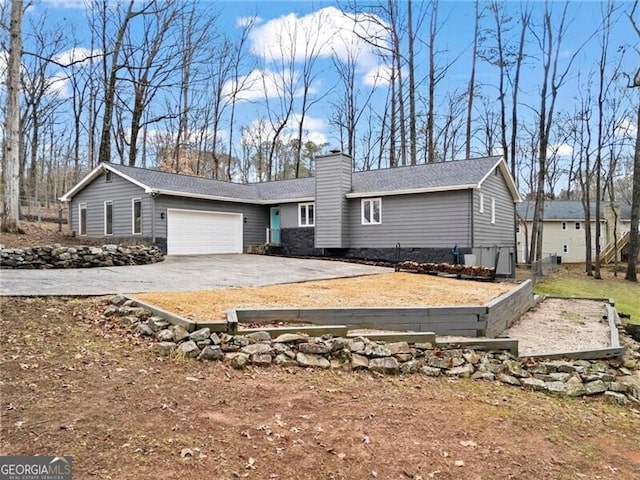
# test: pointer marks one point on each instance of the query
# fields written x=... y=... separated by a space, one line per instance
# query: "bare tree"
x=110 y=70
x=634 y=239
x=11 y=217
x=472 y=79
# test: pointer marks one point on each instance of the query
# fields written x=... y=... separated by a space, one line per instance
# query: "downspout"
x=471 y=210
x=153 y=217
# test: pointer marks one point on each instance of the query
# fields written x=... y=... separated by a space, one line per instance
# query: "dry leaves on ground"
x=399 y=289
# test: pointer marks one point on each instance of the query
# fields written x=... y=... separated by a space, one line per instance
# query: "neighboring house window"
x=564 y=225
x=565 y=248
x=82 y=219
x=493 y=210
x=518 y=228
x=108 y=218
x=577 y=225
x=137 y=216
x=108 y=176
x=306 y=215
x=371 y=211
x=481 y=204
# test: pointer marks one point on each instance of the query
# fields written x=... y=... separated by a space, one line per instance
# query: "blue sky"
x=453 y=45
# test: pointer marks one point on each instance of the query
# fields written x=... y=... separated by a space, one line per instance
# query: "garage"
x=192 y=232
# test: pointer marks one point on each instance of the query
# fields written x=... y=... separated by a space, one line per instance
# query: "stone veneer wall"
x=57 y=256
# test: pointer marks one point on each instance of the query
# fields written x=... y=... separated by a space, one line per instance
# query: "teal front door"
x=275 y=225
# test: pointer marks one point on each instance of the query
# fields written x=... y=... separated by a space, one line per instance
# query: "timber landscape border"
x=479 y=327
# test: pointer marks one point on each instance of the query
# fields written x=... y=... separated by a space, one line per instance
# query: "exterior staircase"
x=611 y=251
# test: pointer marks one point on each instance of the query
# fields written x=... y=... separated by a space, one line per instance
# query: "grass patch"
x=574 y=283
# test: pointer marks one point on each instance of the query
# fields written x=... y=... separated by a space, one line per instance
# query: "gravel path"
x=562 y=325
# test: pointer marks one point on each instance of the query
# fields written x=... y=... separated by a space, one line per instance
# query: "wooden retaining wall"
x=505 y=310
x=462 y=321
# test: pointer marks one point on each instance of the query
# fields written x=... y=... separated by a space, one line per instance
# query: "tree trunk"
x=472 y=81
x=634 y=238
x=412 y=90
x=11 y=218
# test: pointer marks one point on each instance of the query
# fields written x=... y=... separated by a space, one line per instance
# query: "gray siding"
x=440 y=219
x=502 y=232
x=254 y=228
x=333 y=181
x=120 y=192
x=289 y=215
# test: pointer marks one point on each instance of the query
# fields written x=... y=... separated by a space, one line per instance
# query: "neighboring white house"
x=564 y=228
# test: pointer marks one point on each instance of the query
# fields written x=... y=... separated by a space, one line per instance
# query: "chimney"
x=333 y=181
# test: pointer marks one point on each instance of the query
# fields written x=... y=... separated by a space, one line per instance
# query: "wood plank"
x=510 y=344
x=409 y=337
x=214 y=325
x=313 y=331
x=232 y=322
x=599 y=353
x=172 y=318
x=614 y=321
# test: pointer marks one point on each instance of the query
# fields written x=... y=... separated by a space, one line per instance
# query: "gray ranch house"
x=418 y=212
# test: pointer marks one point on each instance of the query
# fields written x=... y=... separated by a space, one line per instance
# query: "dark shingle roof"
x=567 y=210
x=459 y=173
x=433 y=175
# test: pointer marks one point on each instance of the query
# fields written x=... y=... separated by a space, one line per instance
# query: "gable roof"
x=572 y=210
x=454 y=175
x=432 y=177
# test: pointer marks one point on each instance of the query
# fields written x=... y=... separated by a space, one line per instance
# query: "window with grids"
x=371 y=211
x=306 y=214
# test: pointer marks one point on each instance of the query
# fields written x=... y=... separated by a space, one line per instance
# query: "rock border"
x=81 y=256
x=617 y=380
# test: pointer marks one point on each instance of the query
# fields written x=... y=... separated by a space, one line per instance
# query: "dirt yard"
x=45 y=234
x=76 y=384
x=386 y=290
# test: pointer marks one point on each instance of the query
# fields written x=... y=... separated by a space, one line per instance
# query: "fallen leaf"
x=186 y=452
x=468 y=443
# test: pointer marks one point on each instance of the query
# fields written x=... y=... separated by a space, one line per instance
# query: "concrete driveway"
x=207 y=272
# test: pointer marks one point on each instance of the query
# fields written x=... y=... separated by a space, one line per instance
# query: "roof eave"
x=513 y=189
x=95 y=173
x=445 y=188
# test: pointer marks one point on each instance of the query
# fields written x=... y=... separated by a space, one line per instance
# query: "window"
x=371 y=211
x=518 y=228
x=82 y=219
x=137 y=216
x=493 y=210
x=108 y=218
x=565 y=248
x=108 y=176
x=306 y=215
x=564 y=225
x=577 y=225
x=481 y=203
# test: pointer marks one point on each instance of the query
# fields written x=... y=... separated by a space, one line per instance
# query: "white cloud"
x=325 y=32
x=77 y=54
x=258 y=85
x=378 y=75
x=626 y=127
x=313 y=130
x=243 y=22
x=560 y=150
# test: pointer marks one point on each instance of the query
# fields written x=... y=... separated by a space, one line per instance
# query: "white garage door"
x=190 y=232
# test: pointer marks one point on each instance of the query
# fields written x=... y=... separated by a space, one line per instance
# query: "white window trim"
x=481 y=203
x=306 y=207
x=565 y=248
x=493 y=211
x=107 y=202
x=577 y=226
x=371 y=201
x=80 y=207
x=133 y=216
